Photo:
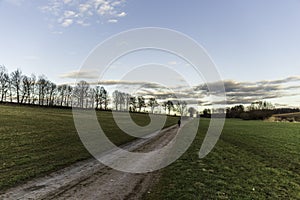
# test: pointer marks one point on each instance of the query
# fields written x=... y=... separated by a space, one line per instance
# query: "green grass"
x=36 y=141
x=252 y=160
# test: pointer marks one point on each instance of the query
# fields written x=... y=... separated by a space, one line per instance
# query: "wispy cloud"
x=279 y=81
x=69 y=12
x=112 y=21
x=67 y=22
x=92 y=74
x=122 y=14
x=126 y=82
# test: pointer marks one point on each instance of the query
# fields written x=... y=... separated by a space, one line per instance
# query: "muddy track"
x=92 y=180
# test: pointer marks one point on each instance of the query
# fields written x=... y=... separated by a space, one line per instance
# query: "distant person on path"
x=179 y=123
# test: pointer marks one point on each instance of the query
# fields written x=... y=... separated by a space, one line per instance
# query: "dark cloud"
x=292 y=87
x=248 y=92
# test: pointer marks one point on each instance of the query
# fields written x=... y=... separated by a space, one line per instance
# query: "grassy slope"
x=297 y=114
x=252 y=160
x=35 y=141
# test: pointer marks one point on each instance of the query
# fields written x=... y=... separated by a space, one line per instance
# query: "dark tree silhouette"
x=133 y=104
x=42 y=87
x=81 y=93
x=68 y=99
x=104 y=97
x=235 y=112
x=152 y=104
x=192 y=111
x=62 y=92
x=31 y=95
x=16 y=78
x=122 y=100
x=116 y=98
x=127 y=101
x=169 y=106
x=25 y=88
x=181 y=107
x=98 y=97
x=206 y=112
x=141 y=103
x=51 y=92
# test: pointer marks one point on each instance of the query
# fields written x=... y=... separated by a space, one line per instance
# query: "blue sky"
x=249 y=41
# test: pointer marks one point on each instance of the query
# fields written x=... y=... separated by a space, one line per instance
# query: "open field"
x=252 y=160
x=36 y=141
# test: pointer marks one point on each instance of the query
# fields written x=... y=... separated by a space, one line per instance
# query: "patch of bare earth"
x=287 y=117
x=92 y=180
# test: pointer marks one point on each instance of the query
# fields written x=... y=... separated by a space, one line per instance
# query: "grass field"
x=35 y=141
x=252 y=160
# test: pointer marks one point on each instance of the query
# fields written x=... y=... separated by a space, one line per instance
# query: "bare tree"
x=47 y=92
x=132 y=103
x=29 y=89
x=192 y=111
x=68 y=99
x=62 y=91
x=165 y=106
x=152 y=103
x=119 y=99
x=25 y=88
x=91 y=94
x=122 y=100
x=16 y=78
x=98 y=97
x=116 y=98
x=81 y=93
x=141 y=103
x=32 y=95
x=10 y=89
x=170 y=106
x=127 y=99
x=4 y=82
x=181 y=107
x=51 y=93
x=41 y=87
x=104 y=97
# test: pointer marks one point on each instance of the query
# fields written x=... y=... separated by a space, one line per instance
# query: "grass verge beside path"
x=252 y=160
x=35 y=141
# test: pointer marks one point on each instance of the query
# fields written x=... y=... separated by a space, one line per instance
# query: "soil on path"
x=92 y=180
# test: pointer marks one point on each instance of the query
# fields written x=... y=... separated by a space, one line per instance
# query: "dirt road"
x=92 y=180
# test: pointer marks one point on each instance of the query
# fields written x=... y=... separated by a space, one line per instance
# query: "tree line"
x=19 y=88
x=22 y=89
x=258 y=110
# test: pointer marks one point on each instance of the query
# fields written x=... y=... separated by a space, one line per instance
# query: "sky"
x=254 y=44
